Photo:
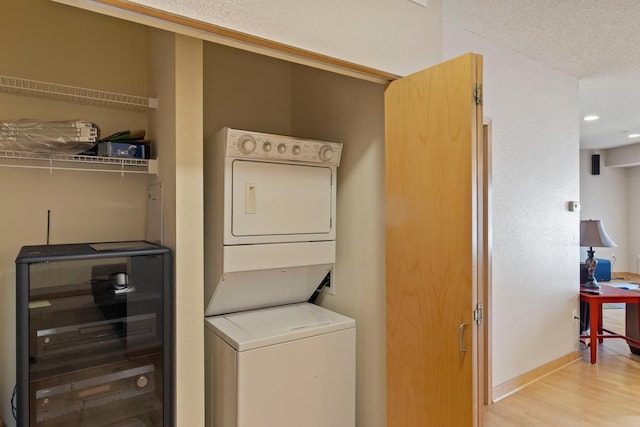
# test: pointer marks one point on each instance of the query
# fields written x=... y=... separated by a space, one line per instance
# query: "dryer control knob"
x=246 y=144
x=296 y=149
x=266 y=146
x=282 y=148
x=326 y=153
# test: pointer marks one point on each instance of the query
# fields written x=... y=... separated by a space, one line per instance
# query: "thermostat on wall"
x=574 y=206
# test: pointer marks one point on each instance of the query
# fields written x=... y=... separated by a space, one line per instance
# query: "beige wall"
x=245 y=91
x=39 y=40
x=189 y=247
x=535 y=158
x=633 y=230
x=608 y=197
x=612 y=197
x=176 y=80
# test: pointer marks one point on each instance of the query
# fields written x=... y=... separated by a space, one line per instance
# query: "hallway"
x=581 y=394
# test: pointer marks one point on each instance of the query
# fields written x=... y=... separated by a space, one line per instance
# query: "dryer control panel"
x=256 y=145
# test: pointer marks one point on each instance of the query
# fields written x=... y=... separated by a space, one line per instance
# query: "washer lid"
x=268 y=326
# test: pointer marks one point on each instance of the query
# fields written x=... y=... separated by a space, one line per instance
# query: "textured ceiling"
x=597 y=42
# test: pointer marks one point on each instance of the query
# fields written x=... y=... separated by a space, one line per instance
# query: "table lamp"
x=592 y=234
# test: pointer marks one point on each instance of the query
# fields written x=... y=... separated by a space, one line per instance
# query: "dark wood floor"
x=581 y=394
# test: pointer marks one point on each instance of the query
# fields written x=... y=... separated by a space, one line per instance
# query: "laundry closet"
x=256 y=93
x=201 y=87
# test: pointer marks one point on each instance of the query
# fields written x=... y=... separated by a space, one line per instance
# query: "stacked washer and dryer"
x=272 y=359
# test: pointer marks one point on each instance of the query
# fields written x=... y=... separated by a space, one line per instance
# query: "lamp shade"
x=593 y=234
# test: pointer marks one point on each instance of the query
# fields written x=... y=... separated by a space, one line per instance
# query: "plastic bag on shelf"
x=55 y=137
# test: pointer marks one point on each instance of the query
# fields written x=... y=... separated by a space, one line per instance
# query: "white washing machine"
x=286 y=366
x=273 y=359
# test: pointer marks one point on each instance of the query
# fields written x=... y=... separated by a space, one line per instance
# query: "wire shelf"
x=85 y=96
x=75 y=162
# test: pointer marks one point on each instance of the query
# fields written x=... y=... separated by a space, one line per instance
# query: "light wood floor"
x=581 y=394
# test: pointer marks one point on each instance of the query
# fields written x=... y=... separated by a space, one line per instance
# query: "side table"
x=608 y=294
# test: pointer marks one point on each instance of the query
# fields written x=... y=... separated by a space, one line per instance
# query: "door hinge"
x=477 y=94
x=477 y=314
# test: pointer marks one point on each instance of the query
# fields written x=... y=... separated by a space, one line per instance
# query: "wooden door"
x=433 y=244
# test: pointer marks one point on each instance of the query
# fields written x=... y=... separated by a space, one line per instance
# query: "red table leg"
x=595 y=328
x=600 y=332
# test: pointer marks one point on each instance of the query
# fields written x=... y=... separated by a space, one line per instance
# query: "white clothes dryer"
x=270 y=227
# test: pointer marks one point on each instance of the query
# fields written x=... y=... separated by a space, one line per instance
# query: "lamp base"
x=591 y=263
x=591 y=284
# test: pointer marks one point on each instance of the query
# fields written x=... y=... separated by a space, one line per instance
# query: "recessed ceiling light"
x=633 y=135
x=591 y=118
